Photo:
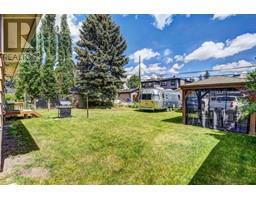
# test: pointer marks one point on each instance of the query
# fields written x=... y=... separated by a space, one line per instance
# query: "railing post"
x=252 y=124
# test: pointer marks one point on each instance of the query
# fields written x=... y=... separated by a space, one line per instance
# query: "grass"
x=125 y=146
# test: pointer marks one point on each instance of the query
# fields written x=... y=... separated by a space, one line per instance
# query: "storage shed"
x=129 y=95
x=217 y=102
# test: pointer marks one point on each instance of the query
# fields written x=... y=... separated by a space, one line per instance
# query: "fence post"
x=252 y=124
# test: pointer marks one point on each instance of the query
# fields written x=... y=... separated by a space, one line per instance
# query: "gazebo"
x=217 y=103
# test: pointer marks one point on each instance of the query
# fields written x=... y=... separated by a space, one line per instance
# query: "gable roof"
x=215 y=82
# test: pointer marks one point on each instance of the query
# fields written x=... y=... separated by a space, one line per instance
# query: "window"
x=150 y=84
x=164 y=83
x=173 y=82
x=146 y=96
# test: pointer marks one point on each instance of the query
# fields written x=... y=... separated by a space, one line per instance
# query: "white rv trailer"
x=159 y=99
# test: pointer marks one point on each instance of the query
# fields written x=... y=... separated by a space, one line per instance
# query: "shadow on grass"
x=232 y=161
x=16 y=140
x=177 y=120
x=150 y=111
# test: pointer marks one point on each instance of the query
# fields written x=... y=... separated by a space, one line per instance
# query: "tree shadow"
x=150 y=111
x=232 y=161
x=16 y=140
x=176 y=120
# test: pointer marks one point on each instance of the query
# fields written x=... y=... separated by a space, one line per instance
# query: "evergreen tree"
x=200 y=77
x=49 y=38
x=65 y=68
x=100 y=55
x=134 y=82
x=206 y=75
x=28 y=80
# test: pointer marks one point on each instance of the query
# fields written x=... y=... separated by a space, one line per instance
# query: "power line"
x=216 y=70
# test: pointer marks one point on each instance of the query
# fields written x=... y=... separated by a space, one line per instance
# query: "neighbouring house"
x=166 y=83
x=218 y=103
x=128 y=95
x=12 y=47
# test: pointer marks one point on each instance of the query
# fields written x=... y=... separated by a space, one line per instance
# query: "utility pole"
x=139 y=72
x=87 y=107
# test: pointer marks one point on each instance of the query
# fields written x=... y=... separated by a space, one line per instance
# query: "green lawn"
x=124 y=146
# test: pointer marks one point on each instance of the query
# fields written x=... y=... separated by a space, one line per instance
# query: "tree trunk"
x=35 y=103
x=49 y=104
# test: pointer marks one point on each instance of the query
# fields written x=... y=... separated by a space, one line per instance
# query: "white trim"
x=1 y=33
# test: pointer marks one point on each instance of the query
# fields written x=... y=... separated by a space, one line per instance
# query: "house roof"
x=216 y=82
x=128 y=90
x=160 y=79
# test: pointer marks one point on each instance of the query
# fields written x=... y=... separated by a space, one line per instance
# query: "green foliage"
x=28 y=79
x=10 y=97
x=49 y=43
x=251 y=81
x=134 y=82
x=100 y=55
x=206 y=75
x=251 y=87
x=65 y=69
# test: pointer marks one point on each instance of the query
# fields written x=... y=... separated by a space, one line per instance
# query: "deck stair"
x=22 y=114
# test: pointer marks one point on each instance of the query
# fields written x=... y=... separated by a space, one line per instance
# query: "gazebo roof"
x=216 y=82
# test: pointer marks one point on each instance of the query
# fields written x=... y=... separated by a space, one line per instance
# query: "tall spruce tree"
x=28 y=80
x=49 y=38
x=100 y=56
x=65 y=68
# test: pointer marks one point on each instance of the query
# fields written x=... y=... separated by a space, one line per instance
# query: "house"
x=128 y=95
x=166 y=83
x=12 y=46
x=217 y=103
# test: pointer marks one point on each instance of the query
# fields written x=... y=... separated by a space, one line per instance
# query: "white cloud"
x=167 y=56
x=168 y=60
x=175 y=68
x=74 y=26
x=234 y=66
x=221 y=16
x=145 y=54
x=162 y=20
x=167 y=52
x=156 y=68
x=211 y=49
x=179 y=58
x=154 y=76
x=147 y=71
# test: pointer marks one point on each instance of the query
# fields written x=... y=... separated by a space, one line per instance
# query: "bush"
x=10 y=97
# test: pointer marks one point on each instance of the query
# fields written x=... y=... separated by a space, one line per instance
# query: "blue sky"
x=172 y=44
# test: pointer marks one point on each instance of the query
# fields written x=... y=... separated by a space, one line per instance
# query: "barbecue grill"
x=64 y=108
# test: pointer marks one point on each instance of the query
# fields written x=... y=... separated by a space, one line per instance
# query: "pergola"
x=16 y=31
x=204 y=87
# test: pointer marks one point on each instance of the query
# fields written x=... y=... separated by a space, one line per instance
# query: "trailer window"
x=156 y=97
x=146 y=96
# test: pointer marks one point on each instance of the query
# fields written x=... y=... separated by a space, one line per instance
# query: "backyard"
x=126 y=146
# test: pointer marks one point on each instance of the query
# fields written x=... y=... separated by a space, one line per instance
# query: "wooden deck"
x=22 y=113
